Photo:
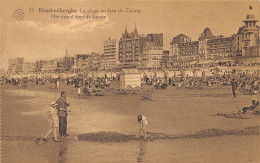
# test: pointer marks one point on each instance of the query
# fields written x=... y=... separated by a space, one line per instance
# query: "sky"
x=37 y=36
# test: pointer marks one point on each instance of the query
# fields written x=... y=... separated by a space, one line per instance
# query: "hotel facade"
x=110 y=60
x=216 y=50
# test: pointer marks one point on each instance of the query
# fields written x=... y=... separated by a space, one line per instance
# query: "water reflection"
x=141 y=154
x=61 y=152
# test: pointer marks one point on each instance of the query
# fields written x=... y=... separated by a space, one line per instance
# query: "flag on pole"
x=250 y=7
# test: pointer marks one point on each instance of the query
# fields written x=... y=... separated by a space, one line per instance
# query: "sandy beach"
x=183 y=126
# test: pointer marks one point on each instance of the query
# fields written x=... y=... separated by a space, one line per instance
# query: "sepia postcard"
x=130 y=81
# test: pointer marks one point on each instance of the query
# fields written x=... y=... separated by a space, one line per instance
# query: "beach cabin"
x=130 y=77
x=142 y=74
x=169 y=73
x=188 y=73
x=159 y=74
x=207 y=72
x=258 y=72
x=197 y=73
x=101 y=74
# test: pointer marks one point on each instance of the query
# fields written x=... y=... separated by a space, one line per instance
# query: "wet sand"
x=175 y=118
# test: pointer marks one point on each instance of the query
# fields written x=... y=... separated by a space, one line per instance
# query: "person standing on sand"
x=79 y=89
x=62 y=105
x=234 y=87
x=142 y=120
x=53 y=119
x=58 y=83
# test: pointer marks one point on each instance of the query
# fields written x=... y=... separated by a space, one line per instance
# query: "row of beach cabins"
x=134 y=77
x=216 y=71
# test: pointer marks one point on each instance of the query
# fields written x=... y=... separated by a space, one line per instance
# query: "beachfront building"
x=249 y=37
x=49 y=65
x=152 y=57
x=238 y=44
x=174 y=53
x=203 y=38
x=181 y=38
x=135 y=50
x=90 y=61
x=219 y=50
x=188 y=51
x=152 y=52
x=95 y=61
x=220 y=47
x=184 y=51
x=110 y=60
x=15 y=65
x=246 y=43
x=68 y=63
x=29 y=67
x=81 y=62
x=130 y=49
x=165 y=59
x=156 y=39
x=209 y=48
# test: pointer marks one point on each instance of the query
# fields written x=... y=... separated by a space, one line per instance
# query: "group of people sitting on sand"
x=246 y=84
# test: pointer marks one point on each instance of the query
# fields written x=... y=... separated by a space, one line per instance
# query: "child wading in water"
x=142 y=120
x=54 y=124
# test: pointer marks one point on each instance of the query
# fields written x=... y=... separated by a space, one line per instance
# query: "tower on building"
x=250 y=36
